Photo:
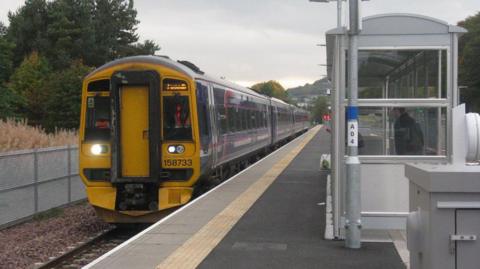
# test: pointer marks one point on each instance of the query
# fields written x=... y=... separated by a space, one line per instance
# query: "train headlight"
x=171 y=149
x=180 y=149
x=98 y=149
x=176 y=149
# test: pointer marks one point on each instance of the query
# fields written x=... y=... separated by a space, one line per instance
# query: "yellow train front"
x=152 y=128
x=138 y=155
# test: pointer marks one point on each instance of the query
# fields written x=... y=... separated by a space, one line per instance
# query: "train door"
x=213 y=126
x=274 y=121
x=136 y=126
x=269 y=115
x=204 y=122
x=134 y=131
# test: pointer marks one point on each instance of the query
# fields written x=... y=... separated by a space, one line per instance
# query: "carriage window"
x=231 y=119
x=238 y=121
x=243 y=112
x=97 y=126
x=176 y=118
x=249 y=119
x=264 y=115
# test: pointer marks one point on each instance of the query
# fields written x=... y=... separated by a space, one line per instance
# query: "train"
x=152 y=130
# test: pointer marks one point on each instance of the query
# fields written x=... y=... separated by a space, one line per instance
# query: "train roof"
x=280 y=101
x=183 y=67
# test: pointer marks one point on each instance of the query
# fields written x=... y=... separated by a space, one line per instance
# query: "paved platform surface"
x=271 y=215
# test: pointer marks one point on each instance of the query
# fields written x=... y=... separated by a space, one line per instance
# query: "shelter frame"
x=388 y=32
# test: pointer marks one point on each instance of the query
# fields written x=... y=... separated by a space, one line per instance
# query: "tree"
x=469 y=57
x=64 y=102
x=95 y=31
x=28 y=82
x=319 y=108
x=148 y=47
x=271 y=88
x=6 y=54
x=115 y=26
x=7 y=98
x=28 y=29
x=70 y=32
x=7 y=102
x=52 y=44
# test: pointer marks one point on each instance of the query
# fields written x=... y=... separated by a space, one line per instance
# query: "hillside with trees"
x=273 y=89
x=306 y=96
x=318 y=87
x=312 y=97
x=469 y=59
x=49 y=46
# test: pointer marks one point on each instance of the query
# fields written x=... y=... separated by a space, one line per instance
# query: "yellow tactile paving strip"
x=194 y=250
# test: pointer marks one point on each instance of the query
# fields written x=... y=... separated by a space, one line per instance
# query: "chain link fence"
x=33 y=181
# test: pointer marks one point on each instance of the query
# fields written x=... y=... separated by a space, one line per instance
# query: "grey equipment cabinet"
x=443 y=228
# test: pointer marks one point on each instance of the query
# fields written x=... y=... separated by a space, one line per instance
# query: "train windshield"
x=97 y=126
x=176 y=118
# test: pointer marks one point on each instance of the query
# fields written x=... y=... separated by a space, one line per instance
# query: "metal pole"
x=35 y=180
x=339 y=13
x=439 y=110
x=353 y=197
x=69 y=171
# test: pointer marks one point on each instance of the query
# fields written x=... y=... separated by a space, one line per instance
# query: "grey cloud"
x=256 y=40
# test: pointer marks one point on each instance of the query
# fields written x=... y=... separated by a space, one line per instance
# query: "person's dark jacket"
x=408 y=136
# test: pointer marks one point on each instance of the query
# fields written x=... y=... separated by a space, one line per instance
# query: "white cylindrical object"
x=473 y=136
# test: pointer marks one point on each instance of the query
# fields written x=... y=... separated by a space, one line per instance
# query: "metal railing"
x=33 y=181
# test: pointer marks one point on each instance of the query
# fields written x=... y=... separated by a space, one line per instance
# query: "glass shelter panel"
x=402 y=74
x=402 y=131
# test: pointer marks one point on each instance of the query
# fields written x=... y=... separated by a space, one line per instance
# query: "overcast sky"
x=249 y=41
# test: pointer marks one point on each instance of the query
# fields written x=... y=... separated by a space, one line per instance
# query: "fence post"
x=69 y=171
x=35 y=179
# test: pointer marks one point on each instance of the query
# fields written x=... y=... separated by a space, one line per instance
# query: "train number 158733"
x=177 y=162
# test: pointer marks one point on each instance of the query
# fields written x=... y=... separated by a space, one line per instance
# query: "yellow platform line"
x=194 y=250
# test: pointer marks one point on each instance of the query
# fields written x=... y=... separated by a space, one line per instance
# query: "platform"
x=271 y=215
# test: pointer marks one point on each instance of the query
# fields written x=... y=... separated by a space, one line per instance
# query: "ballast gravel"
x=27 y=244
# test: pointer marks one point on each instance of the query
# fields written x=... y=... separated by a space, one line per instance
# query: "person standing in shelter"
x=408 y=134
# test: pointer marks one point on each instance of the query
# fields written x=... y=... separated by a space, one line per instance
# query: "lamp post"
x=353 y=224
x=353 y=206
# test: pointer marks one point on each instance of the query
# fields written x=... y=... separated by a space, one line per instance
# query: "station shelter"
x=407 y=86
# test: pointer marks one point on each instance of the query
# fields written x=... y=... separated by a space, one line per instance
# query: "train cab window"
x=97 y=125
x=176 y=118
x=102 y=85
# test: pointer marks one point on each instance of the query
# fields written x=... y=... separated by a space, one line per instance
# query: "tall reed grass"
x=18 y=135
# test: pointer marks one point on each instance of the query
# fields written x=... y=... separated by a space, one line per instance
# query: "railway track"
x=85 y=252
